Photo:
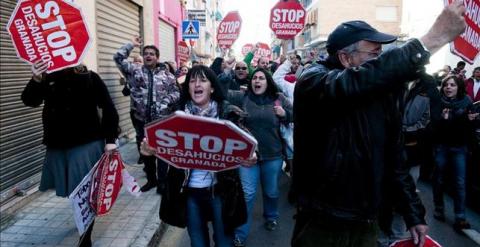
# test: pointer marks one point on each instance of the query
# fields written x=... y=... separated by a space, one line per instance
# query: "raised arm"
x=121 y=56
x=279 y=79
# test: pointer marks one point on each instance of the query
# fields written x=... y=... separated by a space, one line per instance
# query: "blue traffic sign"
x=190 y=29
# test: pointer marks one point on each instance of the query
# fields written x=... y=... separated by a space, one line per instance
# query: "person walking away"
x=73 y=132
x=345 y=163
x=154 y=93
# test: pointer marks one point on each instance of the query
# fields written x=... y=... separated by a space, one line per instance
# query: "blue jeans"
x=455 y=156
x=267 y=173
x=202 y=208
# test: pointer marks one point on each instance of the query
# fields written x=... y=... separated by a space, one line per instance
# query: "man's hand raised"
x=137 y=41
x=448 y=25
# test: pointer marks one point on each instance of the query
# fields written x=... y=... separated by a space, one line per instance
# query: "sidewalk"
x=48 y=219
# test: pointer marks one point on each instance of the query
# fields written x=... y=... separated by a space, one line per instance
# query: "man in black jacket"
x=345 y=163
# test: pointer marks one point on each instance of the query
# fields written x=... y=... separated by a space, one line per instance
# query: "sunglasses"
x=241 y=68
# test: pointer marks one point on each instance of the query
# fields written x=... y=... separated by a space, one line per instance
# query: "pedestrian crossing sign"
x=190 y=29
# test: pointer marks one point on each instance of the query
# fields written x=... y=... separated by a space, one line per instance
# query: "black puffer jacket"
x=173 y=209
x=345 y=161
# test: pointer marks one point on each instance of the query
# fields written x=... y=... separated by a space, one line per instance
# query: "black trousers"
x=155 y=169
x=313 y=230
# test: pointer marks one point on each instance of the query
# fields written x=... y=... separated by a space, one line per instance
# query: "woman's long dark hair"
x=272 y=89
x=461 y=90
x=169 y=67
x=201 y=71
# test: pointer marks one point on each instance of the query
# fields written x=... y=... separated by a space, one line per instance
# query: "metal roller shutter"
x=167 y=42
x=21 y=149
x=117 y=22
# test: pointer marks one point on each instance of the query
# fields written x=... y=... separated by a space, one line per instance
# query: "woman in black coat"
x=73 y=131
x=194 y=197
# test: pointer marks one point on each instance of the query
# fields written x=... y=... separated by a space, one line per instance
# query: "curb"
x=153 y=231
x=158 y=236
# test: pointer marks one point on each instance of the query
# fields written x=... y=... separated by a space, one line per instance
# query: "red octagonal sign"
x=51 y=30
x=467 y=45
x=183 y=51
x=247 y=48
x=287 y=19
x=229 y=29
x=262 y=51
x=193 y=142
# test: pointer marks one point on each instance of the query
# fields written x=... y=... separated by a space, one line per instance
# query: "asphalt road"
x=259 y=237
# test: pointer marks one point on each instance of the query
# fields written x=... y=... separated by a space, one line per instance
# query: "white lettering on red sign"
x=229 y=27
x=42 y=49
x=183 y=49
x=210 y=144
x=472 y=12
x=472 y=37
x=246 y=49
x=59 y=38
x=290 y=15
x=112 y=169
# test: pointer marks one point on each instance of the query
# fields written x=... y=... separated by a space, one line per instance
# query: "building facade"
x=167 y=27
x=324 y=15
x=207 y=12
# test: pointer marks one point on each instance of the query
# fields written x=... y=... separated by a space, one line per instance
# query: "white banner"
x=79 y=198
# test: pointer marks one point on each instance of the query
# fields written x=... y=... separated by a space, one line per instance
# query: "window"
x=386 y=13
x=306 y=3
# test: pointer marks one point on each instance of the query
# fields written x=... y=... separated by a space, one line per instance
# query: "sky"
x=418 y=16
x=255 y=21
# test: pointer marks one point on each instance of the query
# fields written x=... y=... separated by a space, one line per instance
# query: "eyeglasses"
x=370 y=53
x=241 y=68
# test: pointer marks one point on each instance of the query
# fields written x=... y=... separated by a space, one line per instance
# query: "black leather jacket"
x=347 y=137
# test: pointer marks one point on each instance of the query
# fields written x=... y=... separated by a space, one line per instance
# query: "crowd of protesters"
x=364 y=126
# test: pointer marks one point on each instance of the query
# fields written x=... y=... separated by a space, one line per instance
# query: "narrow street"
x=259 y=237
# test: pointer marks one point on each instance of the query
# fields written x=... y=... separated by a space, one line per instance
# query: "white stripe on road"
x=472 y=234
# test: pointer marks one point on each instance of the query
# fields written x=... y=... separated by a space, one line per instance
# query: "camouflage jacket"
x=165 y=92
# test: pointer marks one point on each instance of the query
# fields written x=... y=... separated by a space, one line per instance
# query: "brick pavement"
x=48 y=219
